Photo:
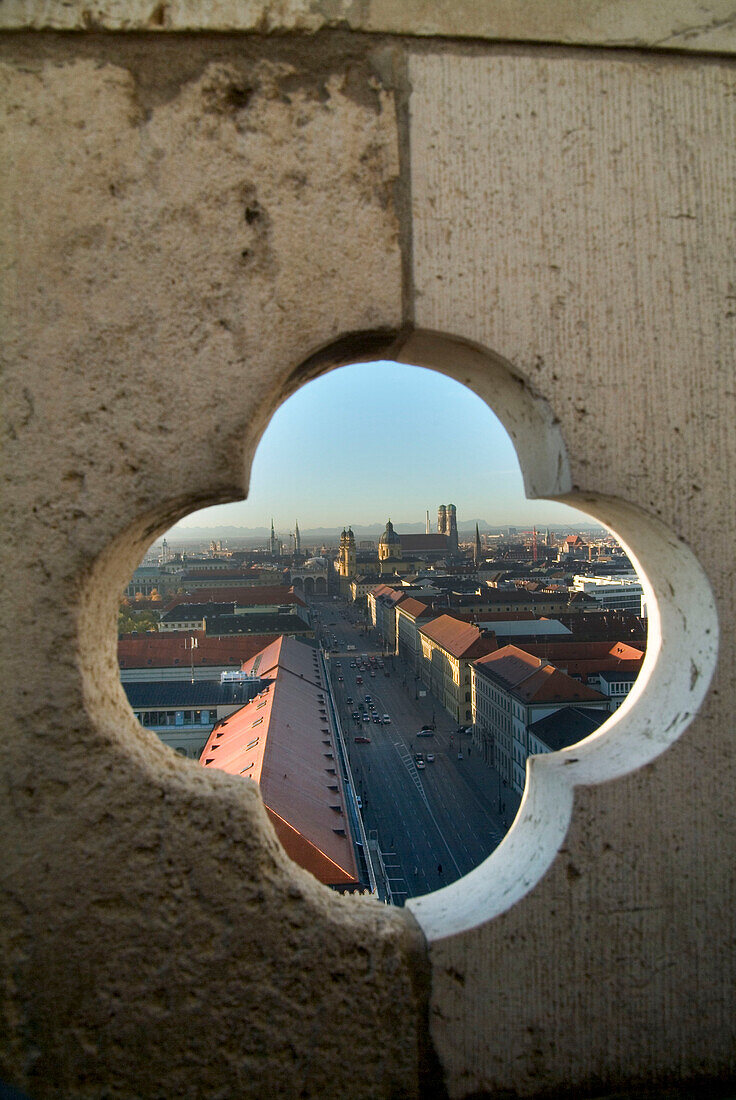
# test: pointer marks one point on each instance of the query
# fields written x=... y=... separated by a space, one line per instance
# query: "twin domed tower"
x=347 y=562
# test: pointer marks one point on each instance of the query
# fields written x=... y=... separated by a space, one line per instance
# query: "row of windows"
x=176 y=717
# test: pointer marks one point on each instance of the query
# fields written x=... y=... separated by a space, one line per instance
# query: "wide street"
x=435 y=823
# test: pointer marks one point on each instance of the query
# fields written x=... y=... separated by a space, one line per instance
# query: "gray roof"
x=567 y=726
x=188 y=612
x=610 y=675
x=177 y=694
x=268 y=623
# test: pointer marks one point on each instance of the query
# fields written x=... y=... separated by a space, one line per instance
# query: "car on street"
x=366 y=717
x=340 y=679
x=356 y=715
x=349 y=700
x=386 y=720
x=420 y=764
x=359 y=679
x=377 y=718
x=430 y=758
x=425 y=733
x=361 y=740
x=359 y=801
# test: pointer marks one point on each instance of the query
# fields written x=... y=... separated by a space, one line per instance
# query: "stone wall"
x=193 y=226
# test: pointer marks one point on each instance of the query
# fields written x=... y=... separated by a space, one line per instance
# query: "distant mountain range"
x=373 y=531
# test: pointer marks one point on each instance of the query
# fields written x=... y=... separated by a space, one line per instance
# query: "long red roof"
x=282 y=740
x=172 y=649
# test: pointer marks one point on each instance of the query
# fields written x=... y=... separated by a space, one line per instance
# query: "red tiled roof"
x=588 y=658
x=549 y=685
x=414 y=607
x=459 y=638
x=212 y=574
x=243 y=595
x=382 y=590
x=533 y=679
x=170 y=649
x=509 y=616
x=280 y=739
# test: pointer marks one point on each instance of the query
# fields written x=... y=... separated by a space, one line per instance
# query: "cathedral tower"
x=442 y=520
x=451 y=528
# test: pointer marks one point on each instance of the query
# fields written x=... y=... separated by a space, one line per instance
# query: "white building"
x=622 y=592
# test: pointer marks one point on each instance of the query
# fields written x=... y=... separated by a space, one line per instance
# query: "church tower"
x=272 y=547
x=442 y=520
x=477 y=553
x=451 y=529
x=389 y=544
x=347 y=559
x=297 y=539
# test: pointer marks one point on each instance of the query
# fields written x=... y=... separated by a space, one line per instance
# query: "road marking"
x=408 y=762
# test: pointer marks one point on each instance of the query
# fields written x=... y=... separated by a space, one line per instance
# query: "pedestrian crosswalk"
x=408 y=761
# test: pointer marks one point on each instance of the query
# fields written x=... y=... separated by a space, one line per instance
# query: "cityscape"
x=384 y=692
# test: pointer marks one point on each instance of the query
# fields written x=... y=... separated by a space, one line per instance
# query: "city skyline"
x=376 y=440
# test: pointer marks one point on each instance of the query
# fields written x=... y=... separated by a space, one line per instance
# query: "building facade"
x=510 y=690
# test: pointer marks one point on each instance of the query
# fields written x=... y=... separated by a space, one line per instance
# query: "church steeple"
x=477 y=550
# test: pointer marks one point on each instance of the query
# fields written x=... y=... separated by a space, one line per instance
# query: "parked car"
x=430 y=758
x=420 y=764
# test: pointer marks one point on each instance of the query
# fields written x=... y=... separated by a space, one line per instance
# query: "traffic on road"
x=429 y=802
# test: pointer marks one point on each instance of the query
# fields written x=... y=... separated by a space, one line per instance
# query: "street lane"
x=434 y=824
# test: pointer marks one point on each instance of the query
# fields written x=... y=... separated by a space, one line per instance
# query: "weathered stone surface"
x=185 y=225
x=576 y=217
x=187 y=220
x=675 y=25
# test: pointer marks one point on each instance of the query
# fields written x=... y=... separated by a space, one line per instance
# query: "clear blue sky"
x=374 y=440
